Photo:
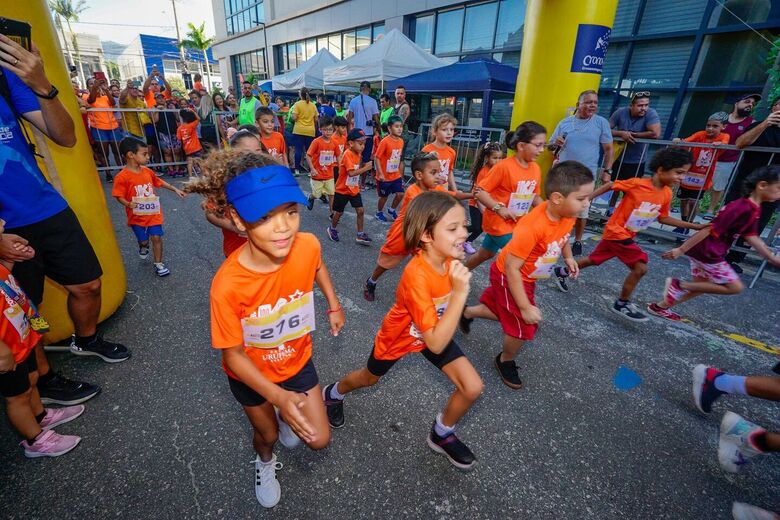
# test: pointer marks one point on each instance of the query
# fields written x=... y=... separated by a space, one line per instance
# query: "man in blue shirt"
x=36 y=215
x=636 y=121
x=363 y=114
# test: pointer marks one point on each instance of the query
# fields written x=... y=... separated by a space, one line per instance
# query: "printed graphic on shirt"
x=641 y=218
x=394 y=161
x=520 y=201
x=444 y=174
x=545 y=264
x=14 y=313
x=147 y=202
x=441 y=306
x=272 y=326
x=327 y=157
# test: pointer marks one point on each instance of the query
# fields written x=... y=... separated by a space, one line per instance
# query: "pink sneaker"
x=672 y=291
x=654 y=309
x=50 y=444
x=56 y=416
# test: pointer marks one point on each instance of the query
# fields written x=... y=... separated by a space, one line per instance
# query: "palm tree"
x=196 y=39
x=65 y=9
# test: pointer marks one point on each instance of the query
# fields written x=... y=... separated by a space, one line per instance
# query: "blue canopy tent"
x=480 y=75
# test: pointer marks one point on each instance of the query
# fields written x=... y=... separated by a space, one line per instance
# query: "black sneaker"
x=451 y=447
x=105 y=350
x=324 y=199
x=628 y=310
x=737 y=268
x=576 y=248
x=310 y=203
x=61 y=390
x=508 y=372
x=369 y=291
x=109 y=178
x=560 y=280
x=334 y=408
x=464 y=324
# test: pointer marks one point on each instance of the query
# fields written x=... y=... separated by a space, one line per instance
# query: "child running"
x=707 y=249
x=187 y=134
x=442 y=132
x=348 y=186
x=134 y=189
x=340 y=138
x=489 y=155
x=430 y=297
x=389 y=166
x=273 y=141
x=322 y=155
x=539 y=239
x=510 y=189
x=644 y=201
x=262 y=308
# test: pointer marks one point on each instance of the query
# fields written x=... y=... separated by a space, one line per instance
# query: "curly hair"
x=219 y=168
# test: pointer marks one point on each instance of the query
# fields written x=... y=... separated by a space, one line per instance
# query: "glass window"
x=379 y=30
x=750 y=11
x=658 y=64
x=625 y=17
x=280 y=53
x=349 y=44
x=613 y=65
x=511 y=18
x=260 y=12
x=449 y=26
x=334 y=45
x=508 y=58
x=479 y=26
x=311 y=48
x=292 y=61
x=662 y=16
x=363 y=38
x=322 y=42
x=226 y=4
x=423 y=31
x=474 y=112
x=744 y=52
x=300 y=53
x=501 y=111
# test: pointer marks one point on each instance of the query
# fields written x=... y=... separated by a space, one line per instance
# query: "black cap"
x=356 y=134
x=364 y=84
x=756 y=97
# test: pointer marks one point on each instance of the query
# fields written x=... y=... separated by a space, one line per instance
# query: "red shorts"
x=627 y=251
x=499 y=300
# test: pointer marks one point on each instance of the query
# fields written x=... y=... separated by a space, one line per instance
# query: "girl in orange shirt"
x=488 y=156
x=262 y=310
x=442 y=132
x=510 y=189
x=430 y=297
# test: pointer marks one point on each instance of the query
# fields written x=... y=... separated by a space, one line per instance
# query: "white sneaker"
x=267 y=489
x=736 y=447
x=161 y=270
x=286 y=436
x=742 y=511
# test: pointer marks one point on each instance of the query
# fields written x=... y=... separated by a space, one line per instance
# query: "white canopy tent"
x=309 y=74
x=391 y=57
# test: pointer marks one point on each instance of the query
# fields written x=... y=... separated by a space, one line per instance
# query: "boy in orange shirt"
x=187 y=134
x=273 y=141
x=321 y=156
x=340 y=123
x=389 y=163
x=430 y=297
x=134 y=189
x=644 y=201
x=348 y=186
x=538 y=240
x=262 y=308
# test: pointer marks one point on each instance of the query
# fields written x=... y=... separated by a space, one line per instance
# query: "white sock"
x=731 y=384
x=440 y=428
x=335 y=394
x=158 y=264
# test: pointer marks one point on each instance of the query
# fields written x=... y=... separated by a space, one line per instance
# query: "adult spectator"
x=386 y=109
x=152 y=86
x=363 y=114
x=248 y=105
x=135 y=118
x=402 y=108
x=104 y=125
x=766 y=134
x=165 y=124
x=224 y=121
x=204 y=107
x=737 y=124
x=36 y=215
x=325 y=108
x=304 y=114
x=582 y=137
x=339 y=108
x=636 y=121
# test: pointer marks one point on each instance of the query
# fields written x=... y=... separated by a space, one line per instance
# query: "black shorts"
x=62 y=252
x=688 y=194
x=380 y=367
x=303 y=381
x=340 y=202
x=17 y=382
x=387 y=188
x=628 y=171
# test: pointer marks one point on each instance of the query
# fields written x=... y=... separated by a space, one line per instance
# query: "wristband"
x=333 y=311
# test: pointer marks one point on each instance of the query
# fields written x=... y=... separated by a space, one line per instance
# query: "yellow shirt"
x=307 y=113
x=134 y=121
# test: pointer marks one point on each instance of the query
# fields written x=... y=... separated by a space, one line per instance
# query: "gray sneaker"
x=628 y=310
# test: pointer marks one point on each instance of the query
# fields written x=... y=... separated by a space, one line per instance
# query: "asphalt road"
x=166 y=439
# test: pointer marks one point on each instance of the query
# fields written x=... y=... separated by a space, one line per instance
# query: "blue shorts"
x=107 y=135
x=387 y=188
x=142 y=233
x=494 y=243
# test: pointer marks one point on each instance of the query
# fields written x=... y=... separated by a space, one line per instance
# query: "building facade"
x=694 y=57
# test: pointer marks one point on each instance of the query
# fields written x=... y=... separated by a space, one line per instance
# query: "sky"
x=151 y=16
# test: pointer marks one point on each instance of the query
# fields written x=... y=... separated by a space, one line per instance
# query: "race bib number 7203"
x=290 y=321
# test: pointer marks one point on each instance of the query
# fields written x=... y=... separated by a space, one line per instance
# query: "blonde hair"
x=441 y=120
x=423 y=213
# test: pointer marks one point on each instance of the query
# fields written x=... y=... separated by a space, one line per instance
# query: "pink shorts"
x=720 y=273
x=499 y=300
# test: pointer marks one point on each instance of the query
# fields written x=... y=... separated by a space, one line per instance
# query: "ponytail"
x=523 y=134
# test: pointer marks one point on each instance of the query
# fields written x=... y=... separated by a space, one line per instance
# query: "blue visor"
x=256 y=192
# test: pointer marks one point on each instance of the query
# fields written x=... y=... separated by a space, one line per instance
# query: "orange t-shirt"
x=446 y=159
x=514 y=186
x=350 y=161
x=270 y=314
x=389 y=156
x=102 y=120
x=187 y=133
x=420 y=300
x=197 y=86
x=394 y=243
x=231 y=241
x=15 y=329
x=149 y=97
x=341 y=141
x=139 y=187
x=539 y=241
x=641 y=205
x=324 y=155
x=274 y=144
x=699 y=177
x=481 y=174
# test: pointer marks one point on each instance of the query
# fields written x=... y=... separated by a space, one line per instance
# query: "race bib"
x=147 y=205
x=327 y=157
x=291 y=321
x=640 y=220
x=694 y=179
x=520 y=203
x=394 y=162
x=544 y=267
x=17 y=317
x=353 y=180
x=441 y=306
